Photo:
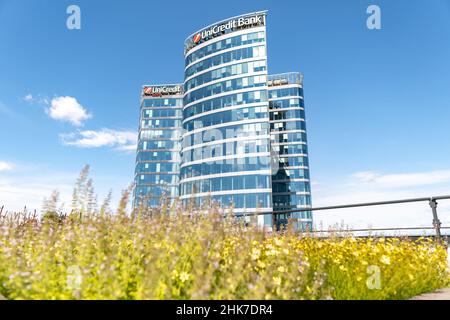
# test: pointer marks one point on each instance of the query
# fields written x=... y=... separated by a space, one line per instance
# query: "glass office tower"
x=230 y=134
x=226 y=143
x=290 y=181
x=158 y=153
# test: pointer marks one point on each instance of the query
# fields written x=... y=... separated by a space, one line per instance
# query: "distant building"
x=290 y=183
x=158 y=152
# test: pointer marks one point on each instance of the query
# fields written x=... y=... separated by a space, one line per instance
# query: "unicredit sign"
x=225 y=27
x=156 y=91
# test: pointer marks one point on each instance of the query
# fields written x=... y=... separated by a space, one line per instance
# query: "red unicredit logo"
x=197 y=38
x=148 y=90
x=162 y=90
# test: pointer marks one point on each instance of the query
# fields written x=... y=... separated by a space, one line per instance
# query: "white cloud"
x=29 y=186
x=122 y=140
x=6 y=166
x=30 y=191
x=28 y=98
x=68 y=109
x=403 y=179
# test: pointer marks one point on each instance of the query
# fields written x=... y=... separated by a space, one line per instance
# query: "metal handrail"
x=432 y=201
x=375 y=229
x=365 y=204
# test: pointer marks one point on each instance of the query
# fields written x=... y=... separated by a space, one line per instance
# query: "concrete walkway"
x=441 y=294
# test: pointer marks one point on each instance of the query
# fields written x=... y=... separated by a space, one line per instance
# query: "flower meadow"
x=184 y=253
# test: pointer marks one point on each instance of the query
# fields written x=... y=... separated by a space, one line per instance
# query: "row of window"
x=221 y=73
x=291 y=200
x=157 y=167
x=281 y=220
x=157 y=155
x=295 y=215
x=241 y=201
x=230 y=148
x=153 y=201
x=227 y=116
x=158 y=144
x=288 y=114
x=286 y=103
x=236 y=165
x=285 y=126
x=225 y=101
x=291 y=174
x=142 y=191
x=160 y=134
x=228 y=132
x=162 y=113
x=225 y=166
x=160 y=123
x=293 y=162
x=226 y=86
x=285 y=92
x=241 y=130
x=163 y=178
x=288 y=137
x=291 y=186
x=163 y=102
x=235 y=55
x=218 y=184
x=158 y=178
x=290 y=149
x=255 y=200
x=226 y=183
x=231 y=42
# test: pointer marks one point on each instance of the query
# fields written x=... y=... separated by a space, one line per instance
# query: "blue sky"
x=378 y=101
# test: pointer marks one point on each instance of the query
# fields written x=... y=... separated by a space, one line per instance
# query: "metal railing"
x=285 y=78
x=432 y=201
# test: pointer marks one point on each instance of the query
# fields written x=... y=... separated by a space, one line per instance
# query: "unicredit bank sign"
x=244 y=22
x=157 y=91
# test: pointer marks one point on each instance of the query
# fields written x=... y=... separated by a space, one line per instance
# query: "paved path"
x=441 y=294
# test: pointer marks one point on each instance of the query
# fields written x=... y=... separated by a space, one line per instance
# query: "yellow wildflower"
x=277 y=281
x=281 y=269
x=184 y=276
x=385 y=259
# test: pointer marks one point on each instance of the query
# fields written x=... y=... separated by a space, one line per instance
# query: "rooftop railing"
x=432 y=202
x=285 y=78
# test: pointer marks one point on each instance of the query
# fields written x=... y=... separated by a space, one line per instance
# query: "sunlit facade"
x=290 y=181
x=226 y=143
x=158 y=152
x=231 y=134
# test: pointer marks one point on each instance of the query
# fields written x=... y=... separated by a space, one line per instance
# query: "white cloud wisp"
x=121 y=140
x=6 y=166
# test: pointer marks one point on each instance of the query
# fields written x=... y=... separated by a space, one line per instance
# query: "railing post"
x=436 y=222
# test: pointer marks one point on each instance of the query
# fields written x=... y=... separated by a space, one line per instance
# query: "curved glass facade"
x=225 y=101
x=230 y=133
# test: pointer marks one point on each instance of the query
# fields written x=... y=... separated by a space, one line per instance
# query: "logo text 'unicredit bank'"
x=229 y=26
x=156 y=91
